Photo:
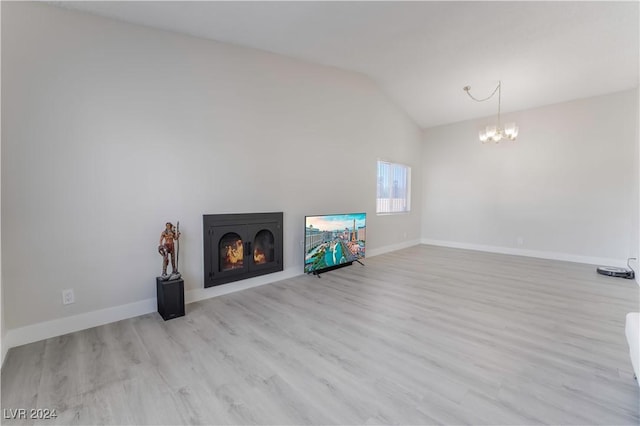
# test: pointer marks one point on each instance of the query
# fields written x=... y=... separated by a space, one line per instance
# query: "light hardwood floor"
x=424 y=335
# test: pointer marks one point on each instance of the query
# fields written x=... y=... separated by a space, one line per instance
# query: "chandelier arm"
x=468 y=88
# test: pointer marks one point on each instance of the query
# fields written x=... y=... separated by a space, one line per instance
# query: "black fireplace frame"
x=215 y=226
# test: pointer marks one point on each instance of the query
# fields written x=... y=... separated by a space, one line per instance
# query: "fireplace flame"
x=259 y=256
x=234 y=254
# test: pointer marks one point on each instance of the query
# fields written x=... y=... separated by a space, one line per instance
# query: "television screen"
x=333 y=240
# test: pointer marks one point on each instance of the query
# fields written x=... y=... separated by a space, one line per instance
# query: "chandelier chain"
x=499 y=101
x=468 y=88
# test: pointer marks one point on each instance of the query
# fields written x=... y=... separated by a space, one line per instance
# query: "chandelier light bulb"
x=511 y=131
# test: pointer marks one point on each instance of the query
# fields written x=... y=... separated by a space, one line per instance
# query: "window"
x=394 y=188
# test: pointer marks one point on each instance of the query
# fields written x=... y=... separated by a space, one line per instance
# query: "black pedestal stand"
x=170 y=298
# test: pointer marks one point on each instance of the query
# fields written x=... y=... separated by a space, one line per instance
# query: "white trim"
x=220 y=290
x=57 y=327
x=567 y=257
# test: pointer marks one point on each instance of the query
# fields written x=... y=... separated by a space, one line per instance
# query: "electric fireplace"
x=239 y=246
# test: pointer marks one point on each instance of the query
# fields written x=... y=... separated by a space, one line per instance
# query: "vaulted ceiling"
x=423 y=53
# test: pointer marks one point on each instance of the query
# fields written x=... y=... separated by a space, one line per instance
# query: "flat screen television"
x=333 y=240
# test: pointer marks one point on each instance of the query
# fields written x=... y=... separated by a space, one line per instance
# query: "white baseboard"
x=57 y=327
x=567 y=257
x=207 y=293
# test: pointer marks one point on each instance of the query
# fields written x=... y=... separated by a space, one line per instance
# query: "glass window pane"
x=394 y=188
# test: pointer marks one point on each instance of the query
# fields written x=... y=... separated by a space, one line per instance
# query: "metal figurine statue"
x=168 y=252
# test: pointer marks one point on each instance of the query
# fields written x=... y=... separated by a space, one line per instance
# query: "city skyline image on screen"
x=333 y=240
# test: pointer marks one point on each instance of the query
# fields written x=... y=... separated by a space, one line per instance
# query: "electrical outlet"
x=520 y=241
x=68 y=297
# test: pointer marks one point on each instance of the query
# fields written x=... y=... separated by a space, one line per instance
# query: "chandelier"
x=495 y=133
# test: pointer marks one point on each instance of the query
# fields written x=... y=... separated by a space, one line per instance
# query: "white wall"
x=636 y=264
x=3 y=349
x=567 y=186
x=112 y=129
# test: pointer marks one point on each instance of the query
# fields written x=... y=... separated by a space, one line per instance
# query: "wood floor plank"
x=20 y=378
x=425 y=335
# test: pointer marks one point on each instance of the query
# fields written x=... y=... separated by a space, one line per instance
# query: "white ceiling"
x=422 y=53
